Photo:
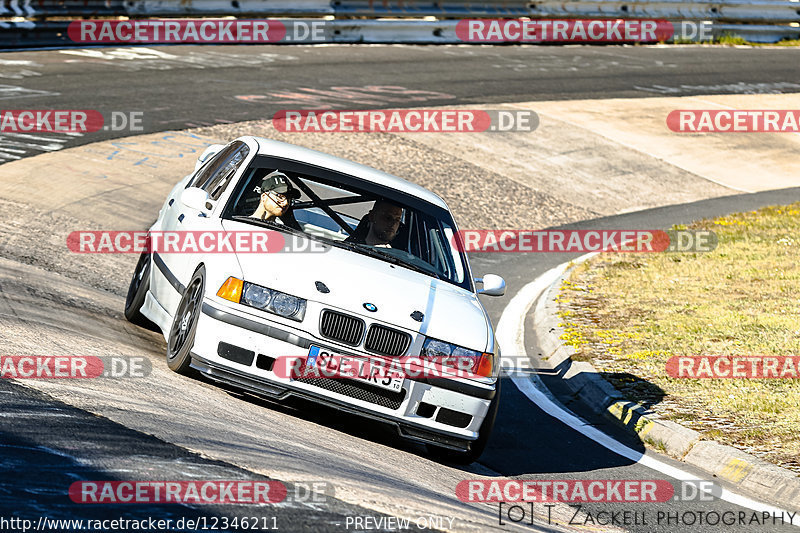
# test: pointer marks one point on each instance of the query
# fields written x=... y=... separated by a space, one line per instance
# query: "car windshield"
x=357 y=215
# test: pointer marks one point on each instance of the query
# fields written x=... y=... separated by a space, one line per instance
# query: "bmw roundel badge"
x=370 y=307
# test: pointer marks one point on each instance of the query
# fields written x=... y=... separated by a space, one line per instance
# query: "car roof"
x=284 y=150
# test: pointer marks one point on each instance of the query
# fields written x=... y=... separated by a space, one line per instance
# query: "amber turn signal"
x=231 y=289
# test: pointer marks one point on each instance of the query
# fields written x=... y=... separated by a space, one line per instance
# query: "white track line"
x=511 y=337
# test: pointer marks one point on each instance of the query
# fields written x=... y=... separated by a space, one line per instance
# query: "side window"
x=455 y=255
x=438 y=257
x=215 y=176
x=210 y=166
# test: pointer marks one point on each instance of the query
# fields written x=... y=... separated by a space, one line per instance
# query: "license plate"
x=336 y=366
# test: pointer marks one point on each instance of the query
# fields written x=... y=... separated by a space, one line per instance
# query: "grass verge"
x=629 y=313
x=728 y=39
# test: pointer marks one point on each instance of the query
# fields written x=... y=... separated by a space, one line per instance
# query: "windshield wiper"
x=270 y=225
x=357 y=248
x=413 y=266
x=378 y=254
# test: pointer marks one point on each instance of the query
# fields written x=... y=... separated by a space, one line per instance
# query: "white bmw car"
x=231 y=316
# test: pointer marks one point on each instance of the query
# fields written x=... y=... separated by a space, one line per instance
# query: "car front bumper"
x=441 y=411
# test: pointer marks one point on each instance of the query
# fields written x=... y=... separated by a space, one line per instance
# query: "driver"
x=383 y=224
x=277 y=194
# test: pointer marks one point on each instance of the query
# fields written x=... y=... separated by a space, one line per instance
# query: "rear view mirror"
x=493 y=285
x=195 y=198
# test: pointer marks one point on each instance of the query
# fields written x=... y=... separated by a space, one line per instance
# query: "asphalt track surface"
x=178 y=86
x=47 y=443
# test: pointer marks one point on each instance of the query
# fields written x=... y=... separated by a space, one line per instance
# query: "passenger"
x=277 y=194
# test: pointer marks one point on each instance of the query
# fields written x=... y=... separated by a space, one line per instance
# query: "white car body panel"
x=451 y=313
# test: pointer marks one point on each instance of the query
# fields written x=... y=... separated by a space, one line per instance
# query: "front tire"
x=137 y=292
x=477 y=446
x=184 y=325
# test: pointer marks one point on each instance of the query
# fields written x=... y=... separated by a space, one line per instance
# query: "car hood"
x=451 y=314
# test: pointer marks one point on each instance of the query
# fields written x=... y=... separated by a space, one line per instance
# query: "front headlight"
x=476 y=364
x=286 y=304
x=270 y=300
x=256 y=296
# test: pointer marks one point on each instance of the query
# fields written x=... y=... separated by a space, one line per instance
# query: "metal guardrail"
x=718 y=10
x=60 y=8
x=444 y=31
x=30 y=23
x=40 y=9
x=200 y=8
x=743 y=11
x=428 y=8
x=54 y=33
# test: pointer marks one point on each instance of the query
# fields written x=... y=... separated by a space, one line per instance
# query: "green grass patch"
x=729 y=39
x=629 y=313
